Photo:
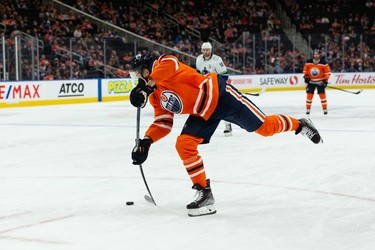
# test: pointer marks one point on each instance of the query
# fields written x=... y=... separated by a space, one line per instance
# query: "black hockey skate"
x=308 y=129
x=228 y=129
x=204 y=203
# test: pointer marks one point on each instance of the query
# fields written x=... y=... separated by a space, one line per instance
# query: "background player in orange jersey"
x=316 y=73
x=175 y=88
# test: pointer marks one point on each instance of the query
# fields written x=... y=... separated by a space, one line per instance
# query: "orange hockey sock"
x=309 y=99
x=277 y=124
x=323 y=100
x=186 y=146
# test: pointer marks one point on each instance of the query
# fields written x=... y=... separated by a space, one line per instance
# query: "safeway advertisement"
x=274 y=81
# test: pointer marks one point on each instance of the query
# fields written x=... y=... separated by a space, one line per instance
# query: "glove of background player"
x=140 y=152
x=307 y=80
x=205 y=71
x=139 y=95
x=325 y=83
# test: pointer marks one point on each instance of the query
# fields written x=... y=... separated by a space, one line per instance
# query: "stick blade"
x=263 y=90
x=359 y=92
x=149 y=199
x=257 y=94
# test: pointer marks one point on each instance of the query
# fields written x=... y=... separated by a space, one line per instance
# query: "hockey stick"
x=347 y=91
x=149 y=198
x=256 y=94
x=344 y=90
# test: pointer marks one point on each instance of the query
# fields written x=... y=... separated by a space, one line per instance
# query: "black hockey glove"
x=140 y=151
x=139 y=95
x=307 y=80
x=205 y=71
x=325 y=83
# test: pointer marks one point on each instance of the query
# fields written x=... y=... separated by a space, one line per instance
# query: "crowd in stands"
x=74 y=47
x=70 y=46
x=344 y=28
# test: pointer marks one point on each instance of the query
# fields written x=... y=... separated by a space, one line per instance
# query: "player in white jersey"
x=208 y=62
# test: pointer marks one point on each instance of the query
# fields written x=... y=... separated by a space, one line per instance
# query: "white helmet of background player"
x=206 y=45
x=206 y=49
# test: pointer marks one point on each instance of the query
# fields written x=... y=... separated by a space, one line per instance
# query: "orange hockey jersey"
x=316 y=72
x=180 y=89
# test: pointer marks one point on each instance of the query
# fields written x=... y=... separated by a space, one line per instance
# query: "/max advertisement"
x=32 y=93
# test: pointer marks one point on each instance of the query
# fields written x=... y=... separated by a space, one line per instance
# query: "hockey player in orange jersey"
x=316 y=73
x=175 y=88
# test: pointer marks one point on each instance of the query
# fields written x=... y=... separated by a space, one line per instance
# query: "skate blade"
x=206 y=210
x=227 y=134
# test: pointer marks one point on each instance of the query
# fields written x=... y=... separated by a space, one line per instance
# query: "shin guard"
x=186 y=147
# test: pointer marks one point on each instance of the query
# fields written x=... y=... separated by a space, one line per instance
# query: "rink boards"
x=33 y=93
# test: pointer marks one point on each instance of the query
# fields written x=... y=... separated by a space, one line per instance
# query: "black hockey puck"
x=129 y=203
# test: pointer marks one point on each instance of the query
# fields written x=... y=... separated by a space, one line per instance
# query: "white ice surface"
x=66 y=174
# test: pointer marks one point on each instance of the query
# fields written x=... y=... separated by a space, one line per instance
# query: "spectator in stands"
x=123 y=73
x=78 y=32
x=278 y=68
x=44 y=63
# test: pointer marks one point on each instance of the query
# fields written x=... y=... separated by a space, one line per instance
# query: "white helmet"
x=206 y=45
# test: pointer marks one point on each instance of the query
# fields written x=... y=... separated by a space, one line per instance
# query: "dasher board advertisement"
x=30 y=93
x=117 y=89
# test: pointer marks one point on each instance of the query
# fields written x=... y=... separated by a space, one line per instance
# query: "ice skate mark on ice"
x=3 y=217
x=33 y=240
x=303 y=190
x=36 y=224
x=69 y=177
x=281 y=187
x=65 y=125
x=184 y=180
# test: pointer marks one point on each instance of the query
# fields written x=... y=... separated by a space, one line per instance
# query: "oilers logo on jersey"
x=314 y=72
x=171 y=102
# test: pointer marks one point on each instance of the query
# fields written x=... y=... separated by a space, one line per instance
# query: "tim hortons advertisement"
x=350 y=79
x=29 y=93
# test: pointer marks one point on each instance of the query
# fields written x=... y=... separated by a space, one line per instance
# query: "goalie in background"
x=316 y=73
x=208 y=62
x=172 y=88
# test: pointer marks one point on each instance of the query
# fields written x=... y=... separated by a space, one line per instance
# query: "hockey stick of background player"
x=256 y=94
x=347 y=91
x=149 y=198
x=344 y=90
